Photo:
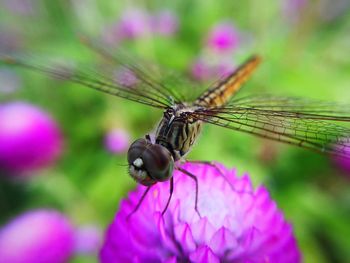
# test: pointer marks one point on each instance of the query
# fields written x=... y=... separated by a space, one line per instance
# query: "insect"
x=305 y=123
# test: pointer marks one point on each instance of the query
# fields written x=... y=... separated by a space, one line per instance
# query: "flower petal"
x=202 y=231
x=184 y=236
x=204 y=255
x=222 y=241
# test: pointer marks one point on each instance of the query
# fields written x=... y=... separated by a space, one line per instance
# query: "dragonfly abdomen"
x=223 y=90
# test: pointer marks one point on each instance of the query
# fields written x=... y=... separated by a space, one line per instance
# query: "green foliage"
x=307 y=57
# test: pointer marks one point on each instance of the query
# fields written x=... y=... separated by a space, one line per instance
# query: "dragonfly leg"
x=139 y=203
x=196 y=182
x=212 y=164
x=170 y=195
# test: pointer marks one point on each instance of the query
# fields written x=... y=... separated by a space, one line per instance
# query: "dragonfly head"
x=149 y=163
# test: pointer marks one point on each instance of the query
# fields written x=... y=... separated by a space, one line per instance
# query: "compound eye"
x=136 y=150
x=136 y=164
x=158 y=162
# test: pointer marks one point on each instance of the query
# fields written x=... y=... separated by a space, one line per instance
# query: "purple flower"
x=134 y=23
x=165 y=23
x=237 y=223
x=117 y=141
x=342 y=163
x=88 y=239
x=223 y=37
x=29 y=138
x=137 y=23
x=37 y=236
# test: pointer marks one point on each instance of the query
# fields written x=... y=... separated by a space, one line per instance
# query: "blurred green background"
x=305 y=46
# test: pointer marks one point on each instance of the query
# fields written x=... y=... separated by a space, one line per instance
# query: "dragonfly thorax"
x=178 y=130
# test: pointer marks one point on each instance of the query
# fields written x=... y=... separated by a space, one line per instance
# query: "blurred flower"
x=223 y=37
x=29 y=138
x=36 y=236
x=134 y=23
x=110 y=35
x=88 y=239
x=293 y=9
x=9 y=41
x=126 y=78
x=204 y=69
x=22 y=7
x=117 y=141
x=237 y=223
x=165 y=23
x=342 y=163
x=137 y=23
x=9 y=81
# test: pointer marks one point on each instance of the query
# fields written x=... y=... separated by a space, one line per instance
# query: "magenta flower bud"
x=223 y=37
x=134 y=23
x=29 y=138
x=117 y=141
x=165 y=23
x=88 y=239
x=343 y=163
x=237 y=223
x=37 y=236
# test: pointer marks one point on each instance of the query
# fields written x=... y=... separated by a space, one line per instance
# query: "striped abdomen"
x=223 y=90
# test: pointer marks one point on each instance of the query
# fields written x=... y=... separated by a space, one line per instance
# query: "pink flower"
x=237 y=223
x=117 y=141
x=223 y=37
x=37 y=236
x=138 y=23
x=134 y=23
x=165 y=23
x=29 y=138
x=88 y=239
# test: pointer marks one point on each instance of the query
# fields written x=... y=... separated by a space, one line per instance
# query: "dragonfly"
x=309 y=124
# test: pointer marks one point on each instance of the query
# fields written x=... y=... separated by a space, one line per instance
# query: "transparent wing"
x=294 y=105
x=143 y=91
x=172 y=83
x=313 y=125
